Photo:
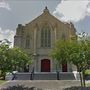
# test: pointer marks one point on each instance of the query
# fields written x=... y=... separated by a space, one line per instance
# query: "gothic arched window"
x=27 y=42
x=46 y=37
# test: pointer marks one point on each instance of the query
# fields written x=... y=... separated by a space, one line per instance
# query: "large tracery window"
x=46 y=37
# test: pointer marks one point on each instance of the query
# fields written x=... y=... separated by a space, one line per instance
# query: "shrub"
x=20 y=87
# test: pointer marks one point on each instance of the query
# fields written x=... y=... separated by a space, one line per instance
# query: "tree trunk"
x=83 y=75
x=81 y=79
x=57 y=75
x=80 y=76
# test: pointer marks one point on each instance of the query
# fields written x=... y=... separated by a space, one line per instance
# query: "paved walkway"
x=43 y=84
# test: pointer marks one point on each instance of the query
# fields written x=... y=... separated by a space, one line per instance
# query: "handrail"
x=14 y=76
x=58 y=75
x=32 y=74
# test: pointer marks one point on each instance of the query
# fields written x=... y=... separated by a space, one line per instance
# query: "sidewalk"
x=43 y=84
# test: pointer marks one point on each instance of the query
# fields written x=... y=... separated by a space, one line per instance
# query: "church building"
x=38 y=38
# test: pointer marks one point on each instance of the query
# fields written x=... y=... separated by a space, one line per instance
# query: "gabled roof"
x=45 y=12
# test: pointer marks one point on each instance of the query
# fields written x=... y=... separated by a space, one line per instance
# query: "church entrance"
x=64 y=67
x=45 y=65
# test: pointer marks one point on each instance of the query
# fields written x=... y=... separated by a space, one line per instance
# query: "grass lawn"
x=2 y=81
x=87 y=72
x=88 y=84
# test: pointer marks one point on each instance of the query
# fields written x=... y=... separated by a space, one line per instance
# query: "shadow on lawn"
x=77 y=88
x=20 y=87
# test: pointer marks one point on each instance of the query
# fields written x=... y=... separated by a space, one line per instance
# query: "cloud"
x=4 y=5
x=72 y=10
x=7 y=34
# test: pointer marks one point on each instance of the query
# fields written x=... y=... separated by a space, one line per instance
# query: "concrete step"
x=45 y=76
x=66 y=76
x=23 y=76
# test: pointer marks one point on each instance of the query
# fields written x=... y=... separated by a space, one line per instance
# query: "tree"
x=84 y=42
x=3 y=58
x=60 y=53
x=80 y=57
x=19 y=59
x=12 y=59
x=77 y=53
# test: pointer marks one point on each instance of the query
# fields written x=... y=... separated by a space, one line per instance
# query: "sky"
x=14 y=12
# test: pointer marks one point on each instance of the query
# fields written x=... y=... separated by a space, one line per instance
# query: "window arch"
x=46 y=37
x=27 y=42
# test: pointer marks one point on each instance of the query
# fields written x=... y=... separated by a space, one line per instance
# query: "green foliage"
x=3 y=58
x=80 y=55
x=60 y=52
x=77 y=53
x=74 y=52
x=12 y=58
x=19 y=58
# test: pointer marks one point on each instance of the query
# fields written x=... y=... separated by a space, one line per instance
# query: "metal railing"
x=32 y=74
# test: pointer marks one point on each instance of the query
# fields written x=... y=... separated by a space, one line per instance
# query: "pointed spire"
x=46 y=10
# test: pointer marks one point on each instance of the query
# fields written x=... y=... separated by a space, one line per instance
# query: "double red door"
x=45 y=65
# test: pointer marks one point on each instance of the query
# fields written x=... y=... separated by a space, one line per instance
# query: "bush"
x=77 y=88
x=20 y=87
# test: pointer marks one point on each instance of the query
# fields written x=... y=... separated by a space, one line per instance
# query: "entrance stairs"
x=45 y=76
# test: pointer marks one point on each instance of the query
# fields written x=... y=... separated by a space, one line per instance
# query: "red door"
x=64 y=67
x=45 y=65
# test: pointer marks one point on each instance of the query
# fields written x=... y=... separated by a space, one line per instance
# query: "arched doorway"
x=64 y=67
x=45 y=65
